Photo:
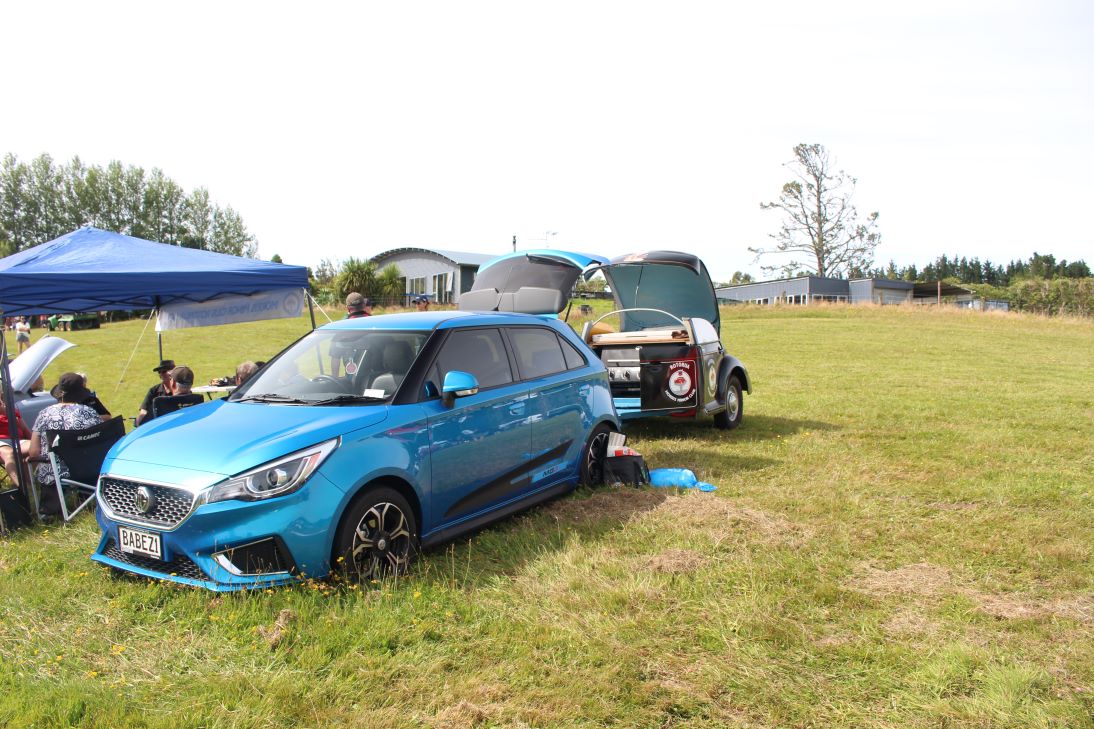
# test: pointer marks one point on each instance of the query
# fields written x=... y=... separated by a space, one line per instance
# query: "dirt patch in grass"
x=910 y=622
x=923 y=579
x=461 y=715
x=723 y=520
x=611 y=504
x=1019 y=607
x=676 y=561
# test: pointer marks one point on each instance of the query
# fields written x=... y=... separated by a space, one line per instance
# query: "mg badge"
x=144 y=500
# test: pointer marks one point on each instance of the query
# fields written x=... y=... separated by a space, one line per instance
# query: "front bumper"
x=215 y=547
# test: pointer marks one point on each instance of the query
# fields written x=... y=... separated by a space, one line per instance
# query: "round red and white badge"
x=680 y=383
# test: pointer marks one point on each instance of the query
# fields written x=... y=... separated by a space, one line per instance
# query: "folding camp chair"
x=83 y=451
x=171 y=403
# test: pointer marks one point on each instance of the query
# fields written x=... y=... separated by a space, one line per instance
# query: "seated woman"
x=10 y=438
x=67 y=414
x=92 y=400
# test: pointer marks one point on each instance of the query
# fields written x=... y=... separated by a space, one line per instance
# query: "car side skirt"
x=450 y=533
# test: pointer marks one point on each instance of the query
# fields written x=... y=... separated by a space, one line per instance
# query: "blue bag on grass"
x=682 y=478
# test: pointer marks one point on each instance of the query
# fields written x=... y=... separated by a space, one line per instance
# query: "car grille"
x=181 y=566
x=169 y=505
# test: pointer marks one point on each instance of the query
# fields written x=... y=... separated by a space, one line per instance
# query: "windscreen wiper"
x=347 y=400
x=274 y=397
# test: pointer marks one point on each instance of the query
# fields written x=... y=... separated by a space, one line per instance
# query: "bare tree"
x=821 y=231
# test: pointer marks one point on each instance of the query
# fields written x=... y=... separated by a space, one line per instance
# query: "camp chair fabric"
x=171 y=403
x=83 y=451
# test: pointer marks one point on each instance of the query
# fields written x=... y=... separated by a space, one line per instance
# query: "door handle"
x=516 y=408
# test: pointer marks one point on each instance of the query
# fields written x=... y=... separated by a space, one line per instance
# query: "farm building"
x=807 y=289
x=800 y=290
x=440 y=275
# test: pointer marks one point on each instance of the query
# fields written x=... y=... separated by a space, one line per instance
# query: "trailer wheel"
x=730 y=418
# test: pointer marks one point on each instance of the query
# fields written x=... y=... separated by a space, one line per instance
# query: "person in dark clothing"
x=357 y=305
x=92 y=400
x=163 y=389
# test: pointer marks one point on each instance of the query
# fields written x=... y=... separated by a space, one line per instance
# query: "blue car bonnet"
x=229 y=438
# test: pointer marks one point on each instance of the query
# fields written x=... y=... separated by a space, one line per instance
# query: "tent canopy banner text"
x=278 y=304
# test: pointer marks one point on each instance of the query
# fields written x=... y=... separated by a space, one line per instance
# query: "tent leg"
x=159 y=342
x=311 y=309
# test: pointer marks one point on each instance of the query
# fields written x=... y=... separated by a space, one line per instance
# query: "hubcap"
x=381 y=542
x=732 y=404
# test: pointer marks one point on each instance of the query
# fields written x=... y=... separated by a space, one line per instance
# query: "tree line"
x=974 y=271
x=41 y=200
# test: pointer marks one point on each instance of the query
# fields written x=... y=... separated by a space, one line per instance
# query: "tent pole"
x=311 y=309
x=9 y=402
x=159 y=334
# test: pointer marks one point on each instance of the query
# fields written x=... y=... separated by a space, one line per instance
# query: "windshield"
x=330 y=367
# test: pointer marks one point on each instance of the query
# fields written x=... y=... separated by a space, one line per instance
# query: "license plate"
x=137 y=542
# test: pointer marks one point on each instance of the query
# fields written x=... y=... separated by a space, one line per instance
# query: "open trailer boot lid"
x=669 y=281
x=527 y=282
x=29 y=366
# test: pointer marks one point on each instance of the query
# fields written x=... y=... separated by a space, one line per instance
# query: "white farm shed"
x=440 y=275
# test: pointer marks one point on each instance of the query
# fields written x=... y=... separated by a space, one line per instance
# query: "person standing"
x=356 y=306
x=22 y=334
x=163 y=389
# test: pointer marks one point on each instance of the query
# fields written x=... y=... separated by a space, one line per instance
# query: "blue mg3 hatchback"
x=362 y=442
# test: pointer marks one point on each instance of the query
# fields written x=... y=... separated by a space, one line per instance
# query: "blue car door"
x=557 y=401
x=478 y=446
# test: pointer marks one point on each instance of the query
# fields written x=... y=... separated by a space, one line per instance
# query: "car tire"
x=730 y=418
x=593 y=455
x=378 y=537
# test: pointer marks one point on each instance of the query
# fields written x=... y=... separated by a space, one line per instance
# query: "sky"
x=347 y=129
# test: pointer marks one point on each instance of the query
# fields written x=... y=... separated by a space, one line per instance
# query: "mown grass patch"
x=901 y=537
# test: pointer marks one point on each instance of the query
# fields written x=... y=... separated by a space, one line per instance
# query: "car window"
x=478 y=351
x=538 y=351
x=329 y=363
x=574 y=360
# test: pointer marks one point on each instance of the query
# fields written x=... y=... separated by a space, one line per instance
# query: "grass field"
x=903 y=536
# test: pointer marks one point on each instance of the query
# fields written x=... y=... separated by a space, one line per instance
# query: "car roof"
x=428 y=320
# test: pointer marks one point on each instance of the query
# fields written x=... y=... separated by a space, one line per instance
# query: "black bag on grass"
x=629 y=470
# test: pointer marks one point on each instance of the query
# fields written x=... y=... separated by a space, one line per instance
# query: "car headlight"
x=275 y=478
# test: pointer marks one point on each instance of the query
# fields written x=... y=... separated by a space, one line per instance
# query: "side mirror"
x=458 y=384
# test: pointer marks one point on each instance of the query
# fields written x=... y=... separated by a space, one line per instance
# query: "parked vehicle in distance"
x=665 y=357
x=360 y=442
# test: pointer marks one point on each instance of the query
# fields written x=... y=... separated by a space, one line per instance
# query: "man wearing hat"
x=163 y=389
x=67 y=414
x=357 y=305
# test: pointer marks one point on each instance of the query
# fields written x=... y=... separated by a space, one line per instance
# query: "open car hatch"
x=669 y=281
x=528 y=282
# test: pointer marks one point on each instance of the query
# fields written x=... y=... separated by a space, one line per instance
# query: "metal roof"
x=460 y=258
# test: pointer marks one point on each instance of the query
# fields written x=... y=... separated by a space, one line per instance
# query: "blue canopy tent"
x=98 y=270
